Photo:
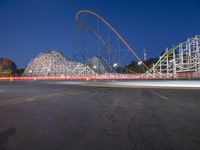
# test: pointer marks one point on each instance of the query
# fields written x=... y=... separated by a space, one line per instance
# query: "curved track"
x=118 y=35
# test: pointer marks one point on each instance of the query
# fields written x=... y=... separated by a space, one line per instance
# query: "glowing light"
x=115 y=65
x=140 y=63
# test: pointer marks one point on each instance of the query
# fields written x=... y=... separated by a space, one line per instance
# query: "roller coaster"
x=106 y=54
x=106 y=22
x=181 y=61
x=112 y=47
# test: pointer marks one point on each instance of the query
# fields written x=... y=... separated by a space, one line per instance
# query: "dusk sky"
x=28 y=27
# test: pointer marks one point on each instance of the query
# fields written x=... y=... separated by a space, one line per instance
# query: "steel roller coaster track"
x=113 y=30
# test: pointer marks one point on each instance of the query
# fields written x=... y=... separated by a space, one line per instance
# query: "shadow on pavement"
x=4 y=136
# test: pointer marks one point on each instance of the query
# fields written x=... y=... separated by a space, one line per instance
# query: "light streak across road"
x=182 y=84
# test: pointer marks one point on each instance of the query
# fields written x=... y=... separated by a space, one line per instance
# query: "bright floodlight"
x=94 y=67
x=115 y=65
x=139 y=63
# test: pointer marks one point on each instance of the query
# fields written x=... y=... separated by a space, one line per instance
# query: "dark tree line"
x=134 y=67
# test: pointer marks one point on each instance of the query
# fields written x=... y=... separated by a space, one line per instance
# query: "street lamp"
x=48 y=72
x=95 y=67
x=115 y=65
x=139 y=64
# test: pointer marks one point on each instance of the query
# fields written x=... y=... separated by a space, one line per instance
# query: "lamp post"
x=115 y=66
x=139 y=64
x=95 y=67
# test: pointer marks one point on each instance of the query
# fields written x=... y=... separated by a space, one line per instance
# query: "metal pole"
x=174 y=63
x=167 y=62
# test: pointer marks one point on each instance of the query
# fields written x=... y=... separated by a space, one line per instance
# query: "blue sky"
x=28 y=27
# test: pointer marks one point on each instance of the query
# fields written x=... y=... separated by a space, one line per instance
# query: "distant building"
x=7 y=67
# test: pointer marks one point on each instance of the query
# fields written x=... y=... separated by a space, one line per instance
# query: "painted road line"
x=159 y=95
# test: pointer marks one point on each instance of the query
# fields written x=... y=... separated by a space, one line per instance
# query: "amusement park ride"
x=181 y=61
x=100 y=47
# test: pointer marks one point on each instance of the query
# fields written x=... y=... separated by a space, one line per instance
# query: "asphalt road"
x=38 y=115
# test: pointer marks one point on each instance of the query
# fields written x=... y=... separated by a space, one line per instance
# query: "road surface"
x=60 y=115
